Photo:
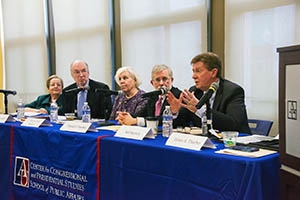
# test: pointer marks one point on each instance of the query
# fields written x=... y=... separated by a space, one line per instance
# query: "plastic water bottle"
x=86 y=113
x=53 y=112
x=167 y=123
x=20 y=110
x=204 y=125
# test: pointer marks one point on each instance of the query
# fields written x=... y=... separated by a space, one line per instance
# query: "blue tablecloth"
x=132 y=169
x=46 y=163
x=4 y=161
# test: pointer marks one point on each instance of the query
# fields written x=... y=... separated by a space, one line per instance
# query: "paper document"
x=253 y=139
x=256 y=154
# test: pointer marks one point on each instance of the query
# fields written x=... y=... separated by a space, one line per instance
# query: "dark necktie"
x=208 y=110
x=209 y=116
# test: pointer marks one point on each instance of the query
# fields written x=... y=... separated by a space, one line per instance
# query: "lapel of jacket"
x=219 y=95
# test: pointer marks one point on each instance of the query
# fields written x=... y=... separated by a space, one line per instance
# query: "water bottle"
x=204 y=125
x=167 y=123
x=53 y=112
x=86 y=113
x=20 y=110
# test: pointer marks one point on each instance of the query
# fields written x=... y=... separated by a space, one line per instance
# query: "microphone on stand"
x=6 y=92
x=212 y=88
x=108 y=92
x=160 y=91
x=77 y=89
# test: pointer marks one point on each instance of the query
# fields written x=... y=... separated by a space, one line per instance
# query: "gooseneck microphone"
x=206 y=96
x=77 y=89
x=108 y=92
x=6 y=92
x=160 y=91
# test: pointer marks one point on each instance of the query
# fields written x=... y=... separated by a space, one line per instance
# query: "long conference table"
x=47 y=163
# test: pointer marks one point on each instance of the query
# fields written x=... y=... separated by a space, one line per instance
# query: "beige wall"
x=218 y=21
x=1 y=80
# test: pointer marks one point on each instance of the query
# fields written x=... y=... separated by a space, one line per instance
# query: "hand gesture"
x=174 y=103
x=189 y=100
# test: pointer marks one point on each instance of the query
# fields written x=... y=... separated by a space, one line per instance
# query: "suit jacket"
x=99 y=103
x=149 y=109
x=43 y=101
x=228 y=112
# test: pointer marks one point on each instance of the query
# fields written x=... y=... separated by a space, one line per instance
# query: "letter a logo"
x=21 y=171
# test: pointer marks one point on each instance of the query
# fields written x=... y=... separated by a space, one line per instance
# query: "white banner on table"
x=35 y=122
x=134 y=132
x=188 y=141
x=6 y=118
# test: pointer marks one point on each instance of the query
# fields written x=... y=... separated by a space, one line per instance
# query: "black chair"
x=260 y=127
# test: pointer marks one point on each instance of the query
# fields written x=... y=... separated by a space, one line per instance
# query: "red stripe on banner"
x=98 y=165
x=11 y=150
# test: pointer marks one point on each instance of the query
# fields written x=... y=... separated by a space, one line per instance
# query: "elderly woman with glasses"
x=130 y=100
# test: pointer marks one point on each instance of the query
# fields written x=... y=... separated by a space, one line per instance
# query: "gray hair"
x=132 y=74
x=159 y=68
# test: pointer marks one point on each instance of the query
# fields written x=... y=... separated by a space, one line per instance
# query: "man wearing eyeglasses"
x=73 y=99
x=161 y=77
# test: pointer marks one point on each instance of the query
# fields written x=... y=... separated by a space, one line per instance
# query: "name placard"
x=6 y=118
x=188 y=141
x=134 y=132
x=35 y=122
x=75 y=126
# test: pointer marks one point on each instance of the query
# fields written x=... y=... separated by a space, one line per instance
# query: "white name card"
x=75 y=126
x=6 y=118
x=188 y=141
x=134 y=132
x=35 y=122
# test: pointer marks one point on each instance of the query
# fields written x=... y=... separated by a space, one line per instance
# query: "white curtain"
x=167 y=32
x=254 y=29
x=25 y=49
x=82 y=32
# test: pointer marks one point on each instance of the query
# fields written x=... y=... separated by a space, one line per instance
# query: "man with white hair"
x=89 y=91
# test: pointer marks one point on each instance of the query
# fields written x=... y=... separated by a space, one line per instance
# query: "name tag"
x=134 y=132
x=76 y=126
x=188 y=141
x=35 y=122
x=6 y=118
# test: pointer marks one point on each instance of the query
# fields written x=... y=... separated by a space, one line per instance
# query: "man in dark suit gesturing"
x=85 y=89
x=226 y=104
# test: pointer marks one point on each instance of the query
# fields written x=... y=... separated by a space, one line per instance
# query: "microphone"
x=212 y=88
x=162 y=90
x=108 y=92
x=6 y=92
x=77 y=89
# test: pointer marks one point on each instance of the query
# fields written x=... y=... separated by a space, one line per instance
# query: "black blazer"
x=149 y=109
x=228 y=112
x=99 y=103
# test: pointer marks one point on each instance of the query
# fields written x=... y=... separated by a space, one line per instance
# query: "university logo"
x=21 y=175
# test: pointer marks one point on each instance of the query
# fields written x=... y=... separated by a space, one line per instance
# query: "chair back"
x=260 y=127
